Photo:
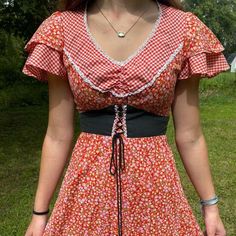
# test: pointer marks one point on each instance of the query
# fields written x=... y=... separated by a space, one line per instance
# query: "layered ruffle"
x=42 y=60
x=45 y=50
x=203 y=55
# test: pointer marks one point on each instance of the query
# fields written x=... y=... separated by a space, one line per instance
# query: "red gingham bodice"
x=180 y=45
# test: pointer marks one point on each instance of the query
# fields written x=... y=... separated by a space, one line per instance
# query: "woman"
x=124 y=66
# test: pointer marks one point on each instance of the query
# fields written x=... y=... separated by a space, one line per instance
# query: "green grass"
x=22 y=131
x=24 y=93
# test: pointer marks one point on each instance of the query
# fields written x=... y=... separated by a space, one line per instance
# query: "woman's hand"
x=213 y=222
x=37 y=225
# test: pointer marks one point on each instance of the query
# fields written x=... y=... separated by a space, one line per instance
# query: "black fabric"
x=139 y=123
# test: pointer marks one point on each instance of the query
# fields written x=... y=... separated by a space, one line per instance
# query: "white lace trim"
x=140 y=48
x=87 y=80
x=171 y=58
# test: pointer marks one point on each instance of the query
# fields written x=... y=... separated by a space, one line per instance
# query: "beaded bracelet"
x=41 y=213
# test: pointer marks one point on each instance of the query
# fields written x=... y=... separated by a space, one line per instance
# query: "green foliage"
x=22 y=94
x=11 y=58
x=18 y=20
x=22 y=17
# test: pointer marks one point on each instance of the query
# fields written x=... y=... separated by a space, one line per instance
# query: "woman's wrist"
x=210 y=211
x=209 y=206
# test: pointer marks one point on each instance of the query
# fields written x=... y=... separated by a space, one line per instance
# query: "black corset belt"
x=116 y=121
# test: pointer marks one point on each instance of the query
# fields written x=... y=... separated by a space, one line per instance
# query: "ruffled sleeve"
x=203 y=55
x=45 y=50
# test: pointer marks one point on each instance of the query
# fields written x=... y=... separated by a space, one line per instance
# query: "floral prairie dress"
x=153 y=201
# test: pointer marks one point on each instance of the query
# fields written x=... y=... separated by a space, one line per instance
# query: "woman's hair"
x=73 y=5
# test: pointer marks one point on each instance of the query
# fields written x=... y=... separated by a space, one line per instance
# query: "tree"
x=22 y=17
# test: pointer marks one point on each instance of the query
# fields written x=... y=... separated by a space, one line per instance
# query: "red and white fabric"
x=45 y=50
x=179 y=46
x=202 y=50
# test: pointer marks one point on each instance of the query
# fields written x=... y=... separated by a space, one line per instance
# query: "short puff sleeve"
x=203 y=55
x=45 y=50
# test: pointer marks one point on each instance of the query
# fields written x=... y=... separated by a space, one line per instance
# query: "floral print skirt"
x=153 y=201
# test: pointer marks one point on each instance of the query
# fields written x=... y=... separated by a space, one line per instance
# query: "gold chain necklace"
x=120 y=34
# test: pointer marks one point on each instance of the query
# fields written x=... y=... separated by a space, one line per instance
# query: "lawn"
x=23 y=127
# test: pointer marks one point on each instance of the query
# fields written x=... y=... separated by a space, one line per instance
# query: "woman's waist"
x=125 y=121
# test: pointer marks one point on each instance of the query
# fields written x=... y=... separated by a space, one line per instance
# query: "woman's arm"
x=57 y=142
x=189 y=138
x=192 y=147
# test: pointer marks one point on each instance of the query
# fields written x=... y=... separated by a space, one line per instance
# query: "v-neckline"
x=136 y=52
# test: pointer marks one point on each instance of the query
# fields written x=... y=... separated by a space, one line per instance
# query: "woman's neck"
x=118 y=7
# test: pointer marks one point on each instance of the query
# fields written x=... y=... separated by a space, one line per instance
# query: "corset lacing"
x=118 y=167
